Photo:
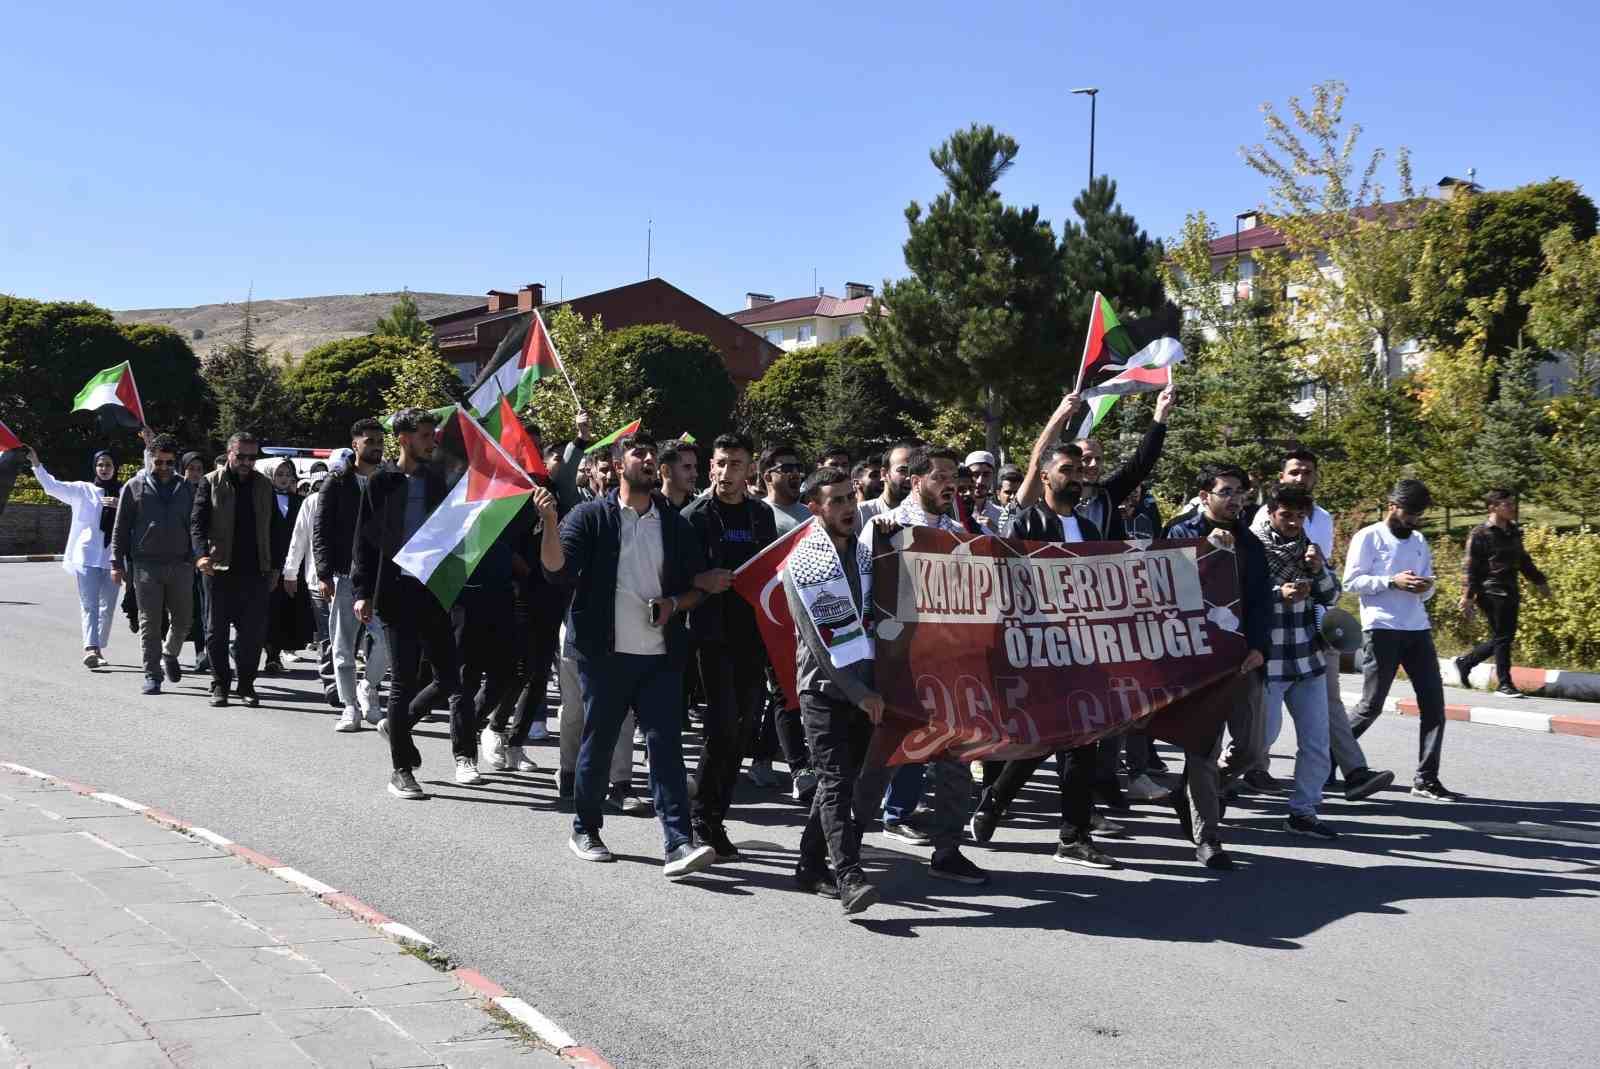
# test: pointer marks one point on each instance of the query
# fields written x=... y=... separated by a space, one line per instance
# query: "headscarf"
x=108 y=488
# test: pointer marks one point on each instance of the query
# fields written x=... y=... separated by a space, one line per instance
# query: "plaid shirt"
x=1294 y=649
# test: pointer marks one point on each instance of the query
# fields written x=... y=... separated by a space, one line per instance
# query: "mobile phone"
x=653 y=611
x=219 y=567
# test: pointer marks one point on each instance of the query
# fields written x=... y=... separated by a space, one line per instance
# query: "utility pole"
x=1093 y=94
x=649 y=244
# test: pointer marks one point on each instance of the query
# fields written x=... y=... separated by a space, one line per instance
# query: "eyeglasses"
x=1227 y=491
x=163 y=463
x=788 y=469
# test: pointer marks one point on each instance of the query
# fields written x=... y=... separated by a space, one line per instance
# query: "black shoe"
x=955 y=866
x=1105 y=826
x=273 y=666
x=905 y=833
x=816 y=881
x=248 y=699
x=621 y=799
x=982 y=825
x=1113 y=797
x=1261 y=780
x=202 y=663
x=174 y=672
x=1432 y=788
x=1506 y=690
x=404 y=785
x=856 y=894
x=1364 y=782
x=1463 y=673
x=1154 y=764
x=716 y=837
x=152 y=685
x=219 y=697
x=589 y=847
x=1211 y=854
x=1083 y=852
x=1308 y=824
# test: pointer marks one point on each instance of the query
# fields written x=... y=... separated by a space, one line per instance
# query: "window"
x=775 y=335
x=802 y=333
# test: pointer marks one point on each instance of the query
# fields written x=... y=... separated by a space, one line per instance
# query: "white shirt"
x=1319 y=528
x=301 y=551
x=639 y=562
x=86 y=543
x=988 y=516
x=1374 y=555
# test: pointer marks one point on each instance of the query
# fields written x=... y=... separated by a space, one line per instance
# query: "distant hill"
x=291 y=327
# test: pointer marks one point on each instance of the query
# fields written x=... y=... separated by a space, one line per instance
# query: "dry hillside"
x=290 y=327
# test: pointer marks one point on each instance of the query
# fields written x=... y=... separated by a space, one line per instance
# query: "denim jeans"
x=97 y=606
x=1307 y=700
x=571 y=727
x=653 y=687
x=905 y=791
x=343 y=627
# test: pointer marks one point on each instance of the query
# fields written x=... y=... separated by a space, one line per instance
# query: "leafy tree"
x=973 y=325
x=249 y=388
x=1375 y=437
x=579 y=341
x=421 y=379
x=48 y=350
x=1454 y=386
x=342 y=381
x=1564 y=314
x=1107 y=252
x=1572 y=454
x=835 y=393
x=1507 y=453
x=404 y=321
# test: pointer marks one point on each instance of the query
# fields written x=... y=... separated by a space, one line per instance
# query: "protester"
x=866 y=479
x=289 y=623
x=300 y=569
x=1494 y=558
x=679 y=465
x=829 y=569
x=1390 y=566
x=150 y=546
x=836 y=457
x=985 y=509
x=896 y=483
x=1009 y=482
x=232 y=534
x=1103 y=495
x=88 y=552
x=783 y=473
x=636 y=568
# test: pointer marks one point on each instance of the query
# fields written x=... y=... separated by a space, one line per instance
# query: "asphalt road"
x=1428 y=933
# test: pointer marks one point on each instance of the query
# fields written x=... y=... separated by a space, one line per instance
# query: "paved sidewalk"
x=124 y=944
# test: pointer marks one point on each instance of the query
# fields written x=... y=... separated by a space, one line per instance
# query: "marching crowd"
x=616 y=579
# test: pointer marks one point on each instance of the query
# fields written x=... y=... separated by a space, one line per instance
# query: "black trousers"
x=1076 y=770
x=735 y=682
x=485 y=648
x=838 y=735
x=538 y=614
x=1386 y=651
x=1500 y=613
x=779 y=730
x=237 y=602
x=420 y=626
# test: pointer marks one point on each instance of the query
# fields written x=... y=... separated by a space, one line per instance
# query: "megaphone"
x=1341 y=631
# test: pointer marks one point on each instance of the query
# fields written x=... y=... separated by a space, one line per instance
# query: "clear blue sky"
x=174 y=154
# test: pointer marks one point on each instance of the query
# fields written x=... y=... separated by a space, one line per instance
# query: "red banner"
x=990 y=648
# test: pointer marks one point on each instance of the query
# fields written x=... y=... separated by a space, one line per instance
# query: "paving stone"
x=251 y=1041
x=357 y=1038
x=20 y=823
x=38 y=963
x=445 y=1022
x=128 y=830
x=68 y=1022
x=176 y=848
x=142 y=1054
x=225 y=876
x=103 y=924
x=174 y=992
x=495 y=1054
x=195 y=924
x=78 y=851
x=277 y=979
x=137 y=886
x=381 y=973
x=68 y=804
x=20 y=991
x=49 y=890
x=17 y=860
x=21 y=933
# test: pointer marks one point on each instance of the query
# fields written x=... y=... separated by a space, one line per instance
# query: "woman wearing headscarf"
x=88 y=551
x=288 y=608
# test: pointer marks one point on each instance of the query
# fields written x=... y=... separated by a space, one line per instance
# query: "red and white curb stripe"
x=29 y=558
x=1544 y=682
x=1524 y=719
x=549 y=1033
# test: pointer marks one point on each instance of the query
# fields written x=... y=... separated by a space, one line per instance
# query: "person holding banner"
x=827 y=582
x=88 y=552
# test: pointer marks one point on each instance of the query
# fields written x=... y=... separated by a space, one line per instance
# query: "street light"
x=1092 y=93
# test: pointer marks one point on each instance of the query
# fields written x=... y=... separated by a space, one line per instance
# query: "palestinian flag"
x=503 y=425
x=614 y=436
x=8 y=441
x=1102 y=397
x=489 y=490
x=1112 y=347
x=114 y=388
x=441 y=414
x=687 y=439
x=522 y=358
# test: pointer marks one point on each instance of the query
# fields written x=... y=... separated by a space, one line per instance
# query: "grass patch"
x=428 y=955
x=514 y=1026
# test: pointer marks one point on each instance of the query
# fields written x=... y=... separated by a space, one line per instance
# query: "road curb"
x=1522 y=719
x=1541 y=682
x=30 y=558
x=551 y=1034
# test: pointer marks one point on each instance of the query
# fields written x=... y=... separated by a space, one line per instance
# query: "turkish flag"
x=759 y=581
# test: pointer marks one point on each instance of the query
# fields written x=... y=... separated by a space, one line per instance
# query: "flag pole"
x=560 y=363
x=1083 y=365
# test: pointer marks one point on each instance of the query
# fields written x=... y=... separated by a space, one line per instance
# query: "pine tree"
x=249 y=388
x=1107 y=252
x=404 y=321
x=1572 y=455
x=1507 y=453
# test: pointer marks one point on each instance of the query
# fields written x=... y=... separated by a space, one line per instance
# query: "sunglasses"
x=788 y=469
x=163 y=463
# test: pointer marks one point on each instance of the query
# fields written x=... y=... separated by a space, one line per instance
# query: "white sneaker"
x=518 y=761
x=349 y=720
x=467 y=772
x=495 y=743
x=1143 y=789
x=383 y=727
x=537 y=731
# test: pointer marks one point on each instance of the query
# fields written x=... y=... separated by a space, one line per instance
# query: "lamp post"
x=1092 y=93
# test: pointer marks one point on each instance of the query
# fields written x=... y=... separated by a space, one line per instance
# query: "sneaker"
x=905 y=833
x=856 y=894
x=955 y=866
x=152 y=685
x=1155 y=764
x=91 y=659
x=467 y=772
x=761 y=774
x=1432 y=788
x=1259 y=779
x=982 y=825
x=1143 y=789
x=1308 y=824
x=816 y=881
x=1106 y=827
x=518 y=760
x=1113 y=796
x=349 y=720
x=687 y=859
x=219 y=697
x=174 y=671
x=404 y=785
x=497 y=758
x=248 y=699
x=538 y=731
x=588 y=846
x=803 y=784
x=716 y=837
x=1463 y=673
x=373 y=711
x=1506 y=690
x=1211 y=854
x=273 y=667
x=202 y=663
x=1083 y=852
x=1364 y=782
x=383 y=727
x=638 y=735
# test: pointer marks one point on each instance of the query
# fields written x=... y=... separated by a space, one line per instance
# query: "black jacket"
x=591 y=543
x=1041 y=524
x=381 y=528
x=706 y=621
x=1255 y=588
x=283 y=526
x=1494 y=558
x=333 y=536
x=1099 y=504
